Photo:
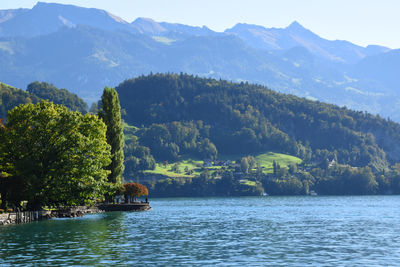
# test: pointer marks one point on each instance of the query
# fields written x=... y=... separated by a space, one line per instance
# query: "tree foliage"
x=54 y=156
x=137 y=157
x=110 y=113
x=135 y=190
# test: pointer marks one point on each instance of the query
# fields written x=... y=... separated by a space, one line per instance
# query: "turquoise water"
x=287 y=231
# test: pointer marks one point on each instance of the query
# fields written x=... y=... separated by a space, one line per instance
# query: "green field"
x=266 y=160
x=180 y=168
x=249 y=183
x=177 y=169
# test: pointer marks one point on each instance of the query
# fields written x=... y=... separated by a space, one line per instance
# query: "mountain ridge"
x=85 y=49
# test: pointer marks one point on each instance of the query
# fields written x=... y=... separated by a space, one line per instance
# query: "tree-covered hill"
x=11 y=97
x=245 y=118
x=48 y=91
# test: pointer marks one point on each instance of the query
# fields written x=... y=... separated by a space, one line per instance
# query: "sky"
x=362 y=22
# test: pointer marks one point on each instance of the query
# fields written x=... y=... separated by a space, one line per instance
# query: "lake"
x=250 y=231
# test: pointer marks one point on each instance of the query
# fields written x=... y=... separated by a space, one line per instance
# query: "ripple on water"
x=218 y=231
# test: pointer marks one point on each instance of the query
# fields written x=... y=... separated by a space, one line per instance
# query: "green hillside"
x=11 y=97
x=240 y=118
x=277 y=143
x=266 y=160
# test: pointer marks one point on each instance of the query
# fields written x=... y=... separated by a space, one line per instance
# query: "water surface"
x=287 y=231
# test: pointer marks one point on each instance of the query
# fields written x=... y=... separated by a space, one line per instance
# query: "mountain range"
x=85 y=49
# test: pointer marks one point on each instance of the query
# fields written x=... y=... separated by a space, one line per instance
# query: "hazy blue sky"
x=360 y=21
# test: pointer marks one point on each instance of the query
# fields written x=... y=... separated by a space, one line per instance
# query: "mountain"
x=151 y=27
x=85 y=50
x=45 y=18
x=148 y=26
x=82 y=59
x=296 y=35
x=11 y=13
x=382 y=67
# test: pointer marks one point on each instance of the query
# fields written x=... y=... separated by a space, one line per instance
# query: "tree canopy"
x=53 y=156
x=135 y=190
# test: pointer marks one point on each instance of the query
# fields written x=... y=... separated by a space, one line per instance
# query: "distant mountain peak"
x=61 y=8
x=38 y=4
x=143 y=19
x=147 y=25
x=44 y=4
x=295 y=25
x=245 y=26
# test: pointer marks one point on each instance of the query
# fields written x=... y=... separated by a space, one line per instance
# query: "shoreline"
x=18 y=217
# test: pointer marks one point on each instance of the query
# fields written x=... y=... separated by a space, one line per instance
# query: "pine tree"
x=110 y=113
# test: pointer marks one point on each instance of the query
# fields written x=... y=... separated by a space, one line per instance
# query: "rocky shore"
x=67 y=212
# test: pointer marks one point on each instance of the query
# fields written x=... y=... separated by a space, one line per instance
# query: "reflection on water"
x=226 y=231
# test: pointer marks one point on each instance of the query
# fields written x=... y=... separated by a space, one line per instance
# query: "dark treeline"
x=240 y=118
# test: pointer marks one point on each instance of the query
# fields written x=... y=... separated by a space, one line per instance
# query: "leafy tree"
x=207 y=149
x=227 y=184
x=137 y=157
x=244 y=165
x=175 y=168
x=158 y=138
x=55 y=156
x=134 y=190
x=110 y=113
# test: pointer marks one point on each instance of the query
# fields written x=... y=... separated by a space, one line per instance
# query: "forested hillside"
x=49 y=92
x=192 y=136
x=179 y=112
x=11 y=97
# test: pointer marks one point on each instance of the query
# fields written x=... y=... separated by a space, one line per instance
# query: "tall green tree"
x=111 y=115
x=54 y=156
